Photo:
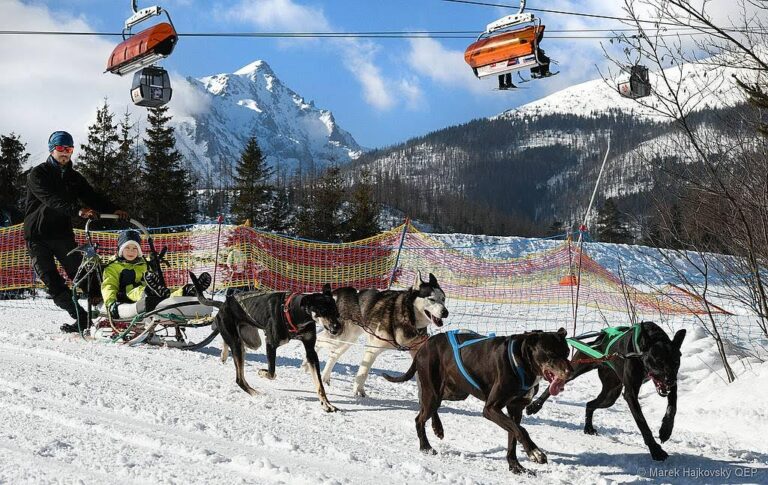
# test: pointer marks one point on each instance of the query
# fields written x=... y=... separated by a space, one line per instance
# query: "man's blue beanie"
x=60 y=138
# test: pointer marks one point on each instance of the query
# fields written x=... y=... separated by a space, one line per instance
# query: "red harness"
x=287 y=313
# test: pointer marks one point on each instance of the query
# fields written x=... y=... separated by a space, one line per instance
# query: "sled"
x=167 y=325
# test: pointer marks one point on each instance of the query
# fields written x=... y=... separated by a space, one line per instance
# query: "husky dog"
x=392 y=319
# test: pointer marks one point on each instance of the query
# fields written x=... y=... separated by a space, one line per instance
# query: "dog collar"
x=287 y=313
x=516 y=365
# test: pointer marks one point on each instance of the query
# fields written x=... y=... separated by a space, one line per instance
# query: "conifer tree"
x=364 y=210
x=167 y=187
x=98 y=161
x=610 y=225
x=128 y=177
x=253 y=192
x=321 y=217
x=281 y=217
x=13 y=156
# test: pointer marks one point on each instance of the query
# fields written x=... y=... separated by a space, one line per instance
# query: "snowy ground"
x=84 y=412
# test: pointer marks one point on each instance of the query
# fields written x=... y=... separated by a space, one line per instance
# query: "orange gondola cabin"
x=505 y=52
x=143 y=49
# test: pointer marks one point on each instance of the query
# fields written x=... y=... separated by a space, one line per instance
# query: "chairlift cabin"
x=638 y=85
x=151 y=87
x=509 y=44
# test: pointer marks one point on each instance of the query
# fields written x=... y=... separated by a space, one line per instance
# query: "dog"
x=504 y=372
x=649 y=356
x=392 y=319
x=282 y=317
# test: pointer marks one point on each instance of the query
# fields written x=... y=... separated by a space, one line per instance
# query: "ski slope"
x=84 y=412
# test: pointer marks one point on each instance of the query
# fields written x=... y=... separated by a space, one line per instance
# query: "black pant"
x=42 y=254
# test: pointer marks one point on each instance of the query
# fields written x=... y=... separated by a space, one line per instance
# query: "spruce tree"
x=321 y=215
x=13 y=156
x=364 y=210
x=281 y=217
x=98 y=161
x=128 y=177
x=253 y=192
x=610 y=225
x=167 y=187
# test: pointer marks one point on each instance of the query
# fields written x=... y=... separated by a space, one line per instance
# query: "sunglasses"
x=63 y=148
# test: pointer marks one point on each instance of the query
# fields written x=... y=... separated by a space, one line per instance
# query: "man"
x=54 y=193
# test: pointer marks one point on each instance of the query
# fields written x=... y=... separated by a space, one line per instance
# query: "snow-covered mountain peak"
x=253 y=101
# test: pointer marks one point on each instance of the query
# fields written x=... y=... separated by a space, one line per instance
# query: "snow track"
x=84 y=412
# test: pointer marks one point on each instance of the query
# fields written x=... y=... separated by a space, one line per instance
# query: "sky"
x=383 y=91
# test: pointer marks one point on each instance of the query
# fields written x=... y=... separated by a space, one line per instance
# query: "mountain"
x=291 y=131
x=527 y=168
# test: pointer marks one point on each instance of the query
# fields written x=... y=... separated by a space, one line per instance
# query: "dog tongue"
x=556 y=386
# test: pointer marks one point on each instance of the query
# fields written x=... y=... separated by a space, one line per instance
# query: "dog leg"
x=493 y=412
x=365 y=367
x=668 y=422
x=269 y=372
x=224 y=352
x=437 y=426
x=314 y=364
x=430 y=403
x=608 y=394
x=333 y=357
x=238 y=356
x=630 y=395
x=516 y=413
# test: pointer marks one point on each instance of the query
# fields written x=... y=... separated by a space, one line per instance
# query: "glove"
x=123 y=215
x=113 y=310
x=88 y=213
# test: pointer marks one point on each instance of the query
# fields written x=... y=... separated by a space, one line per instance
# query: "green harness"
x=613 y=334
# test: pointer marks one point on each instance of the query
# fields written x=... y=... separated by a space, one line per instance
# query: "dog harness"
x=287 y=313
x=456 y=347
x=613 y=334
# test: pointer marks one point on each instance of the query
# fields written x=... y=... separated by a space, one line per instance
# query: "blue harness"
x=456 y=346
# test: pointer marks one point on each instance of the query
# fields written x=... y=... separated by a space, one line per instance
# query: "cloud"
x=444 y=66
x=358 y=56
x=57 y=82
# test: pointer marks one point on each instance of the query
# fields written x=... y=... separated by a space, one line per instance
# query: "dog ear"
x=433 y=281
x=562 y=332
x=417 y=281
x=327 y=290
x=677 y=340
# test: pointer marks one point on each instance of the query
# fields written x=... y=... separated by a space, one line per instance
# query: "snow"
x=92 y=412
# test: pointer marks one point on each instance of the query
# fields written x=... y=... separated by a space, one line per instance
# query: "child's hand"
x=123 y=215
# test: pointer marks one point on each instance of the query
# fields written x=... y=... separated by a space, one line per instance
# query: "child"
x=128 y=287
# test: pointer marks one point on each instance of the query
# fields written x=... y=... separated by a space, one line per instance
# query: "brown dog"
x=502 y=371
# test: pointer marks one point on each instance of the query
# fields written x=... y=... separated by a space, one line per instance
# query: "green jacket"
x=123 y=281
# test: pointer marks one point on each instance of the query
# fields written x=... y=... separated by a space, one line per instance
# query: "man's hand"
x=88 y=213
x=122 y=215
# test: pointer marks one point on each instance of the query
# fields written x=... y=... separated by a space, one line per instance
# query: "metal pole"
x=399 y=249
x=220 y=219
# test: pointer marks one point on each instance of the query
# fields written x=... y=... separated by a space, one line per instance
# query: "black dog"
x=506 y=371
x=654 y=356
x=283 y=317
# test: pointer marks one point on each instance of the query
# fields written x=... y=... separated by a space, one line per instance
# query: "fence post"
x=399 y=249
x=219 y=219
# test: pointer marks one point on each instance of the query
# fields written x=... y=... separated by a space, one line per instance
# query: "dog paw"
x=438 y=432
x=518 y=469
x=329 y=408
x=359 y=392
x=532 y=408
x=326 y=381
x=537 y=456
x=428 y=451
x=590 y=430
x=265 y=373
x=658 y=454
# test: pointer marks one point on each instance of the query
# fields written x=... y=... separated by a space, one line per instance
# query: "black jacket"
x=53 y=198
